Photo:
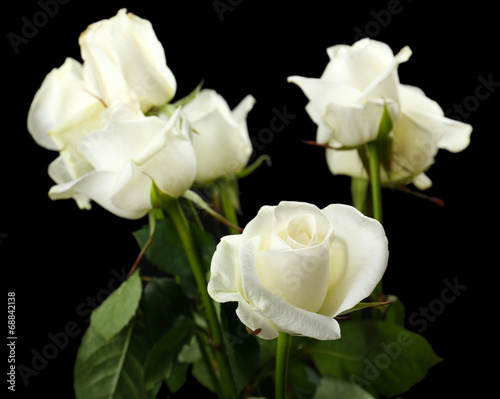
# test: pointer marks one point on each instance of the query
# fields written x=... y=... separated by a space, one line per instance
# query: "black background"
x=55 y=256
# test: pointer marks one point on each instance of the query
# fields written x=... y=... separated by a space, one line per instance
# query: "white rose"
x=221 y=140
x=124 y=61
x=347 y=102
x=418 y=135
x=295 y=267
x=124 y=157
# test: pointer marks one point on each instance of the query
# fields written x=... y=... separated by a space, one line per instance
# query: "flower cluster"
x=348 y=101
x=104 y=117
x=293 y=270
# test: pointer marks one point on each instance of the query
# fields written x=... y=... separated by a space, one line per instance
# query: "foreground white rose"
x=347 y=102
x=295 y=267
x=124 y=61
x=125 y=156
x=418 y=135
x=221 y=141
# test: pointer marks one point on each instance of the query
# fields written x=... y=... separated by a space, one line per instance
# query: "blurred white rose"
x=347 y=105
x=221 y=140
x=347 y=101
x=93 y=114
x=295 y=267
x=124 y=60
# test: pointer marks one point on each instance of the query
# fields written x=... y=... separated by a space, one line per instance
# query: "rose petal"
x=205 y=102
x=299 y=276
x=221 y=142
x=240 y=112
x=286 y=317
x=131 y=189
x=301 y=232
x=386 y=85
x=422 y=181
x=261 y=225
x=286 y=211
x=345 y=162
x=169 y=159
x=60 y=172
x=414 y=149
x=61 y=103
x=448 y=134
x=321 y=93
x=358 y=256
x=225 y=286
x=355 y=125
x=358 y=65
x=98 y=186
x=114 y=145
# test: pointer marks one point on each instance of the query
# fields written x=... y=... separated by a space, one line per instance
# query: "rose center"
x=301 y=232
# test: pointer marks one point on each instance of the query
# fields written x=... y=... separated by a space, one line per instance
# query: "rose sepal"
x=363 y=305
x=253 y=167
x=200 y=202
x=169 y=108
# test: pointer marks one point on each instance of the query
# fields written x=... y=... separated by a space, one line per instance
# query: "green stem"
x=174 y=210
x=210 y=368
x=376 y=191
x=282 y=353
x=195 y=215
x=360 y=198
x=376 y=188
x=152 y=229
x=225 y=192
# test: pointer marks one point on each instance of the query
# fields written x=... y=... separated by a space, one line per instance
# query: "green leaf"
x=242 y=347
x=178 y=376
x=201 y=373
x=161 y=358
x=163 y=303
x=379 y=356
x=205 y=244
x=166 y=252
x=335 y=388
x=118 y=308
x=190 y=352
x=302 y=379
x=114 y=368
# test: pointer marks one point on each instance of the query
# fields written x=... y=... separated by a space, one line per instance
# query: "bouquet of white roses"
x=291 y=304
